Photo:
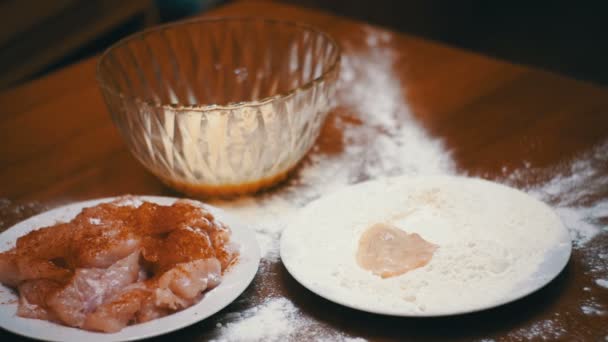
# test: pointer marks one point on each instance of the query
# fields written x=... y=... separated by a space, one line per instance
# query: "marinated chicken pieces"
x=115 y=265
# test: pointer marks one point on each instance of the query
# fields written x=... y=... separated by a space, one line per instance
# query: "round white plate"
x=234 y=282
x=496 y=245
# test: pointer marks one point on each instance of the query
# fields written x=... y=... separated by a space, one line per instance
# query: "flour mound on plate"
x=116 y=264
x=388 y=251
x=495 y=244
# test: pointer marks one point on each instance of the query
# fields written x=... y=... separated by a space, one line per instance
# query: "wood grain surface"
x=59 y=145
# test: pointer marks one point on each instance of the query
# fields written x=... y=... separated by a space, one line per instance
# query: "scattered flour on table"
x=276 y=319
x=273 y=319
x=578 y=192
x=545 y=330
x=392 y=143
x=572 y=193
x=593 y=310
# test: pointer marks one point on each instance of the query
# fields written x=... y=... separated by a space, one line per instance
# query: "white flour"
x=391 y=142
x=572 y=192
x=276 y=319
x=577 y=191
x=484 y=259
x=545 y=330
x=266 y=322
x=593 y=309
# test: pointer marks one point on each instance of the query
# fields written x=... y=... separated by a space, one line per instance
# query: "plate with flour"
x=425 y=246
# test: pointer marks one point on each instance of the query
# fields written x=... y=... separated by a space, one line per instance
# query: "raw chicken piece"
x=32 y=300
x=15 y=269
x=165 y=299
x=201 y=219
x=117 y=312
x=45 y=243
x=149 y=310
x=9 y=272
x=101 y=237
x=189 y=280
x=115 y=264
x=198 y=218
x=102 y=245
x=182 y=245
x=89 y=287
x=151 y=219
x=180 y=233
x=36 y=255
x=103 y=213
x=30 y=268
x=388 y=251
x=174 y=290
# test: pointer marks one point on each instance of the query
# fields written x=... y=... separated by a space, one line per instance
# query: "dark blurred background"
x=39 y=36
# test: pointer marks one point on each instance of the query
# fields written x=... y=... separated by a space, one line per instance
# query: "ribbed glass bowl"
x=220 y=106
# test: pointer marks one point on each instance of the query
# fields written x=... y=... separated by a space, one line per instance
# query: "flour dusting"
x=276 y=319
x=549 y=329
x=384 y=139
x=573 y=193
x=490 y=257
x=593 y=309
x=391 y=142
x=269 y=321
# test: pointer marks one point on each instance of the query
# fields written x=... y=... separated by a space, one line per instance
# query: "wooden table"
x=59 y=146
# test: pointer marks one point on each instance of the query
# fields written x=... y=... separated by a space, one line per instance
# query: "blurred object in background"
x=566 y=37
x=39 y=35
x=171 y=10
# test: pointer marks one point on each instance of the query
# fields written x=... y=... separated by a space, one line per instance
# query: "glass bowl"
x=220 y=106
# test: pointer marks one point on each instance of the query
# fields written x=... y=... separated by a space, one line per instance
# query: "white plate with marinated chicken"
x=123 y=268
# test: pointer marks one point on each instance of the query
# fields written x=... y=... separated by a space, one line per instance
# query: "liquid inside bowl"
x=221 y=106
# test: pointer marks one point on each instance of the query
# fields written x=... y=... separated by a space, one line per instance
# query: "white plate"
x=234 y=282
x=318 y=246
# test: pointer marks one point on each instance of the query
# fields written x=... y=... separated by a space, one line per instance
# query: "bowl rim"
x=334 y=65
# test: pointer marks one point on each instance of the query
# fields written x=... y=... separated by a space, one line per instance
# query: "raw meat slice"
x=388 y=251
x=32 y=300
x=45 y=243
x=102 y=245
x=183 y=245
x=9 y=271
x=117 y=312
x=189 y=280
x=30 y=268
x=89 y=287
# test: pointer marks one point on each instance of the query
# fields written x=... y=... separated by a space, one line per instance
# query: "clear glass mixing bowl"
x=220 y=106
